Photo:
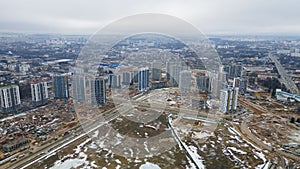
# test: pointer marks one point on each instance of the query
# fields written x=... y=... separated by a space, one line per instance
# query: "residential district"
x=57 y=111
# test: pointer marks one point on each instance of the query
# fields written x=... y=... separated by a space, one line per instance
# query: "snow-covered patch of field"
x=78 y=148
x=269 y=144
x=137 y=160
x=93 y=146
x=192 y=165
x=192 y=151
x=96 y=133
x=219 y=139
x=228 y=152
x=201 y=135
x=233 y=131
x=212 y=144
x=261 y=156
x=93 y=164
x=72 y=163
x=248 y=142
x=152 y=127
x=203 y=148
x=149 y=165
x=230 y=141
x=237 y=150
x=239 y=139
x=118 y=161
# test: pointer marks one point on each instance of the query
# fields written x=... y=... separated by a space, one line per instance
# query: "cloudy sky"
x=210 y=16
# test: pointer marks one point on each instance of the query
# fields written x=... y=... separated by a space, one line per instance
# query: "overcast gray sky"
x=209 y=16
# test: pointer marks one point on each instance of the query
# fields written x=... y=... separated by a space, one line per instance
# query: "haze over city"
x=233 y=17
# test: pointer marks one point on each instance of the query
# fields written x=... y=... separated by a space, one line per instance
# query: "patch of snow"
x=230 y=141
x=245 y=145
x=92 y=146
x=248 y=142
x=269 y=144
x=228 y=152
x=70 y=163
x=96 y=133
x=203 y=147
x=137 y=160
x=149 y=166
x=238 y=139
x=146 y=146
x=131 y=152
x=237 y=150
x=192 y=151
x=233 y=131
x=119 y=135
x=118 y=161
x=192 y=165
x=78 y=148
x=93 y=164
x=201 y=135
x=262 y=156
x=154 y=128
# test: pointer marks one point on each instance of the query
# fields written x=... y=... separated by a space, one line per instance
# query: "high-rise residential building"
x=235 y=95
x=170 y=66
x=237 y=71
x=39 y=93
x=214 y=83
x=168 y=70
x=222 y=77
x=98 y=91
x=223 y=100
x=234 y=70
x=60 y=87
x=79 y=88
x=95 y=91
x=218 y=81
x=241 y=83
x=185 y=81
x=114 y=81
x=174 y=75
x=173 y=72
x=127 y=78
x=156 y=71
x=227 y=69
x=228 y=99
x=143 y=79
x=135 y=76
x=202 y=83
x=10 y=98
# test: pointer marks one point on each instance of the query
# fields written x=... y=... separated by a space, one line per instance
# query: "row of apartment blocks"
x=177 y=75
x=10 y=95
x=92 y=90
x=236 y=85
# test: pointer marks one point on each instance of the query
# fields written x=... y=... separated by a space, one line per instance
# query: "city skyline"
x=68 y=108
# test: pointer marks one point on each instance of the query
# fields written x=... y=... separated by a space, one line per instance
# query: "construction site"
x=26 y=133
